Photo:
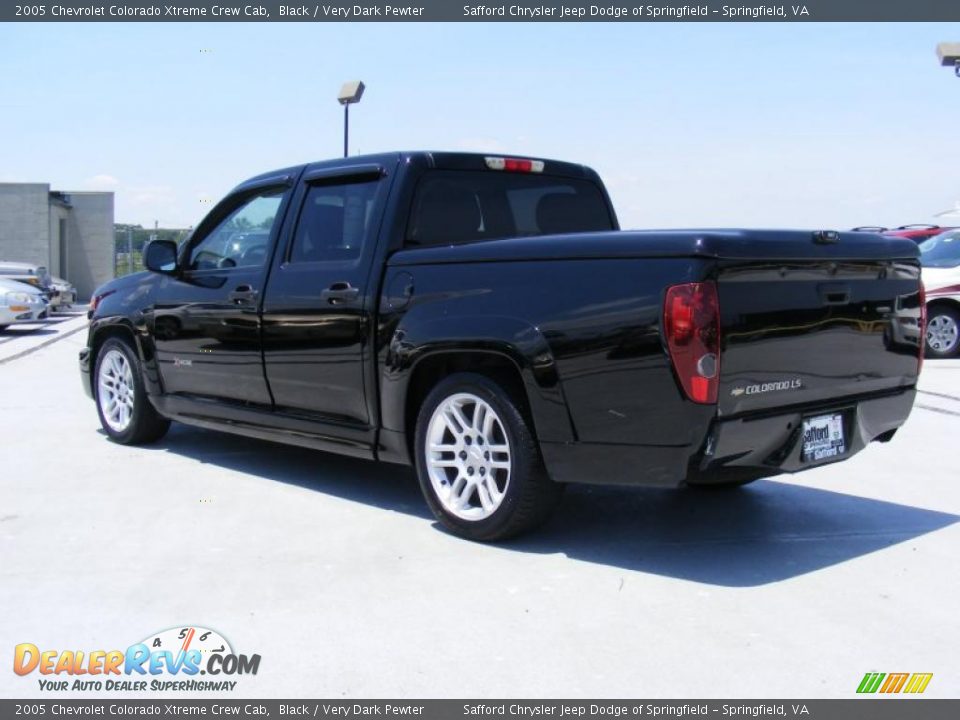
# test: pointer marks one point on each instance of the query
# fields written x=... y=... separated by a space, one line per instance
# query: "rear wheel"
x=943 y=332
x=478 y=463
x=126 y=414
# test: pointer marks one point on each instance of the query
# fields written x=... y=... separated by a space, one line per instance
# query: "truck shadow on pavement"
x=744 y=537
x=752 y=536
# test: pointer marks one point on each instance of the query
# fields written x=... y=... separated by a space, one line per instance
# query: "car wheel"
x=478 y=462
x=943 y=332
x=3 y=327
x=126 y=414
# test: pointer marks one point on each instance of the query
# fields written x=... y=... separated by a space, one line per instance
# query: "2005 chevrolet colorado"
x=483 y=319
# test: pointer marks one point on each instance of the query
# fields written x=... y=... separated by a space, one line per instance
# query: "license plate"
x=823 y=438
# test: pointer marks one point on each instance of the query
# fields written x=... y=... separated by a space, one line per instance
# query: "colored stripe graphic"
x=894 y=683
x=918 y=683
x=870 y=682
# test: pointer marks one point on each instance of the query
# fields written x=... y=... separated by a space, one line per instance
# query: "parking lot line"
x=21 y=338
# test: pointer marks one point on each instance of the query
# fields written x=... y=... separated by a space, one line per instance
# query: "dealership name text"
x=618 y=12
x=647 y=710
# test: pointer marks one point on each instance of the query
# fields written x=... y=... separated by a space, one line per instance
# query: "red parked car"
x=918 y=232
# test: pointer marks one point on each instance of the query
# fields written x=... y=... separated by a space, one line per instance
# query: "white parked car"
x=940 y=256
x=20 y=303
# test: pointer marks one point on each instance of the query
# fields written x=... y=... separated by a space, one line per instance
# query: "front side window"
x=242 y=238
x=334 y=222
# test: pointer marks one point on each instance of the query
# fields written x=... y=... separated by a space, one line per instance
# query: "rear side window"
x=334 y=222
x=467 y=206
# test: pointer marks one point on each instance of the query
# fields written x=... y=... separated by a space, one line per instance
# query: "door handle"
x=243 y=295
x=340 y=292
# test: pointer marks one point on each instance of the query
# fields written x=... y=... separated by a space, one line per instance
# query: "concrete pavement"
x=334 y=572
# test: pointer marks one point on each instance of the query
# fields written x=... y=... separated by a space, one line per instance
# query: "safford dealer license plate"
x=823 y=438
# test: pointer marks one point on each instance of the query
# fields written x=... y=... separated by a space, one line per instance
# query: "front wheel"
x=478 y=462
x=943 y=332
x=126 y=414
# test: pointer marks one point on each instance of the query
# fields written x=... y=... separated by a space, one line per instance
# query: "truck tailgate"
x=817 y=330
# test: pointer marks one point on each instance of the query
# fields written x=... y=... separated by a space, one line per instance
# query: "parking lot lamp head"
x=350 y=93
x=948 y=53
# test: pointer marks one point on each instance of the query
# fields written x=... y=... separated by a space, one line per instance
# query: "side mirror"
x=160 y=256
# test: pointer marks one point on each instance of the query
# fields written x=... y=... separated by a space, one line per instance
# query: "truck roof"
x=441 y=160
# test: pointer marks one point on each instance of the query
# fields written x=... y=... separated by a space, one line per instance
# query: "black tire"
x=530 y=496
x=950 y=314
x=146 y=424
x=3 y=327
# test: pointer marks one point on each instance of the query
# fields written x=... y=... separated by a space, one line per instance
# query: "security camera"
x=949 y=55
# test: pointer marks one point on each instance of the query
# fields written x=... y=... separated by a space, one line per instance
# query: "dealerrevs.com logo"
x=170 y=660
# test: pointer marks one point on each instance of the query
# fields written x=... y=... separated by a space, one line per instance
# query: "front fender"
x=416 y=338
x=104 y=327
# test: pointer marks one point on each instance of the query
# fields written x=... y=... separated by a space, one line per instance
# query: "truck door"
x=320 y=299
x=205 y=323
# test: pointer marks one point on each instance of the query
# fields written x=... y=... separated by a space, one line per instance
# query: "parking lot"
x=334 y=572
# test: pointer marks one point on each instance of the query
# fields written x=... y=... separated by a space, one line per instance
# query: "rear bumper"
x=771 y=443
x=736 y=448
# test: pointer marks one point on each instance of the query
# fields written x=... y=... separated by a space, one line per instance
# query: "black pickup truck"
x=483 y=319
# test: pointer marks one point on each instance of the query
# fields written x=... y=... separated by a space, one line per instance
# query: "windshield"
x=941 y=250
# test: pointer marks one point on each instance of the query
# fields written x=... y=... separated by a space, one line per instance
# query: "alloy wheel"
x=116 y=390
x=468 y=456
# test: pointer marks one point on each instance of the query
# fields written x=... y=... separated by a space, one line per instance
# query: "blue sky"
x=806 y=125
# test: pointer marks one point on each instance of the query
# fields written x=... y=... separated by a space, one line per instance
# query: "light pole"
x=350 y=93
x=949 y=55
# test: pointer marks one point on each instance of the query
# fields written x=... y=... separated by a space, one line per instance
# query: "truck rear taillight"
x=691 y=326
x=923 y=326
x=514 y=164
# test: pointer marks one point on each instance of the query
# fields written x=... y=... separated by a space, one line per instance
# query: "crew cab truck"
x=483 y=319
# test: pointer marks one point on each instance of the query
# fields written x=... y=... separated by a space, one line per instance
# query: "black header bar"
x=493 y=11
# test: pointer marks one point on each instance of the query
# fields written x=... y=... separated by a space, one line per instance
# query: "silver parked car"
x=30 y=273
x=60 y=293
x=20 y=303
